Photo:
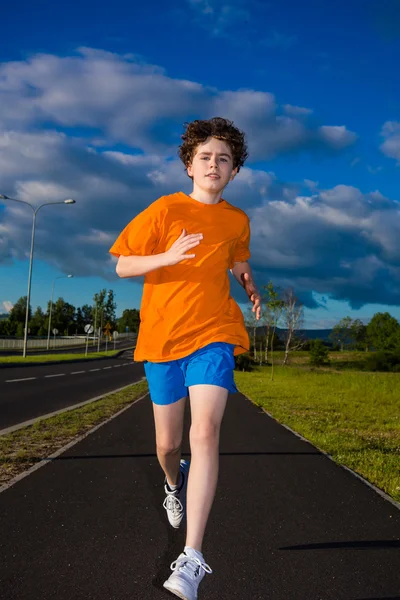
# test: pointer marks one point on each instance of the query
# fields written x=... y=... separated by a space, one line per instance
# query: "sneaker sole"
x=176 y=592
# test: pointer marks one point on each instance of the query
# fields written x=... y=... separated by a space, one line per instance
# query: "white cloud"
x=337 y=136
x=7 y=305
x=296 y=110
x=337 y=241
x=119 y=99
x=391 y=134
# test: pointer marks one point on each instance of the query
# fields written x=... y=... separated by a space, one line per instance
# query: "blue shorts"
x=212 y=365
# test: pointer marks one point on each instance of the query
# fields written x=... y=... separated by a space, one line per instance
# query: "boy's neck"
x=205 y=197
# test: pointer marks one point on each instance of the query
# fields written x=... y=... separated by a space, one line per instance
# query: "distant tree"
x=342 y=333
x=274 y=305
x=359 y=339
x=110 y=307
x=37 y=323
x=17 y=313
x=292 y=318
x=63 y=316
x=318 y=353
x=383 y=332
x=7 y=327
x=105 y=307
x=252 y=323
x=266 y=321
x=131 y=319
x=84 y=316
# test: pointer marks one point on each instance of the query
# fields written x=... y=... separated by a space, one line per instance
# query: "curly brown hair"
x=197 y=132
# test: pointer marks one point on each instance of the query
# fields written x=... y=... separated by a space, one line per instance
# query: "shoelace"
x=173 y=503
x=190 y=565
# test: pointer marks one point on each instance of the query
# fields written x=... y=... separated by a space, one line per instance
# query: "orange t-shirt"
x=187 y=306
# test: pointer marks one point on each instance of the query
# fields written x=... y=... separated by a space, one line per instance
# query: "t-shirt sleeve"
x=140 y=236
x=242 y=247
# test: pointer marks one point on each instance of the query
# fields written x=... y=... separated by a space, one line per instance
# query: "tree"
x=62 y=317
x=37 y=323
x=7 y=327
x=359 y=335
x=292 y=317
x=110 y=307
x=275 y=305
x=318 y=353
x=131 y=319
x=105 y=307
x=342 y=333
x=17 y=313
x=83 y=316
x=252 y=323
x=266 y=321
x=383 y=332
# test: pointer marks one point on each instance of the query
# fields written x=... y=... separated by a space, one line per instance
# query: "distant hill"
x=4 y=316
x=308 y=334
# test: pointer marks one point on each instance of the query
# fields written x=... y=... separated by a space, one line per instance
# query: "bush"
x=383 y=361
x=244 y=362
x=318 y=353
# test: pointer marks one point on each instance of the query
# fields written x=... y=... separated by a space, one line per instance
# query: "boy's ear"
x=234 y=173
x=189 y=170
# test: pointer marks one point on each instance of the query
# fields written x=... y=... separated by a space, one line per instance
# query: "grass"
x=23 y=448
x=354 y=416
x=42 y=358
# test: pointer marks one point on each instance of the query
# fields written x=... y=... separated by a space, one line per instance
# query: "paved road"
x=31 y=391
x=68 y=350
x=287 y=523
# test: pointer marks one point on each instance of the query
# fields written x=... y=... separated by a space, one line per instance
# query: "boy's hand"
x=184 y=243
x=253 y=294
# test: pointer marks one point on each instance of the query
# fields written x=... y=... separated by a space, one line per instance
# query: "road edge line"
x=381 y=493
x=66 y=409
x=51 y=457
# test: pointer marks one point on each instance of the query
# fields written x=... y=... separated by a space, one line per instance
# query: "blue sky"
x=93 y=98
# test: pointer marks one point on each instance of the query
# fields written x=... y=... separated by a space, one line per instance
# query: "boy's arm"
x=244 y=275
x=134 y=265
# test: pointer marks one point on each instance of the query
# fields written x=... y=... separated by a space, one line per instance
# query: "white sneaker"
x=175 y=501
x=188 y=571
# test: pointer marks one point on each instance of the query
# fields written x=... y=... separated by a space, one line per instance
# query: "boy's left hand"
x=253 y=294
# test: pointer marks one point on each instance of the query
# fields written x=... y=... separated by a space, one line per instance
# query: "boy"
x=191 y=328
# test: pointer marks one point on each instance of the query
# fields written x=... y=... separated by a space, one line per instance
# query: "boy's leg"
x=207 y=403
x=168 y=420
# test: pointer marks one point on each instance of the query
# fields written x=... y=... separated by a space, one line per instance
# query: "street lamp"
x=28 y=299
x=51 y=305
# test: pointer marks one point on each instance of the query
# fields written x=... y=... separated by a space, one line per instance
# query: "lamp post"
x=51 y=305
x=28 y=298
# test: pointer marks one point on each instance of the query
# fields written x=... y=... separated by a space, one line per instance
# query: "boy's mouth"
x=213 y=176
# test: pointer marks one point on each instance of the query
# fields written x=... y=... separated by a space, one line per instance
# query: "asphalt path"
x=287 y=523
x=36 y=390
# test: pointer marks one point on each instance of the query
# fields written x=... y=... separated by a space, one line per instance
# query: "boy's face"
x=212 y=165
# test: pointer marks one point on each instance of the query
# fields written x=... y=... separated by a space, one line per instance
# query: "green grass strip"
x=43 y=358
x=23 y=448
x=353 y=416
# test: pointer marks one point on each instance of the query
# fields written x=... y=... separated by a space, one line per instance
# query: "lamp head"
x=69 y=276
x=69 y=201
x=3 y=197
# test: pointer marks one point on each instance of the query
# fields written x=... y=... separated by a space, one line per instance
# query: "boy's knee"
x=204 y=433
x=167 y=447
